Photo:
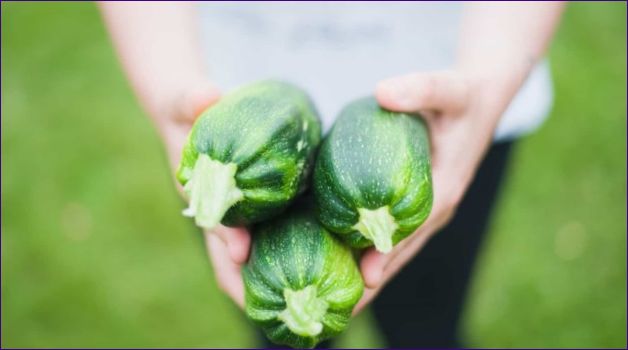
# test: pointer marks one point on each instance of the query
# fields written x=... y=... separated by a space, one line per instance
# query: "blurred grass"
x=95 y=252
x=554 y=271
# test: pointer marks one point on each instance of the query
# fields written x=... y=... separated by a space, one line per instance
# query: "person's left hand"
x=461 y=118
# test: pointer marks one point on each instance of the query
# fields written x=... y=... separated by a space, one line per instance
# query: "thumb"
x=442 y=91
x=195 y=100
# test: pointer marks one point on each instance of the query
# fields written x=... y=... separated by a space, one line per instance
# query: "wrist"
x=497 y=80
x=492 y=90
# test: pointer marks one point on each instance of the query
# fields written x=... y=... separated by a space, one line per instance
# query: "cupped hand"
x=228 y=247
x=461 y=119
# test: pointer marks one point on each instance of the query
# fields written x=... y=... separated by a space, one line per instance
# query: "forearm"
x=158 y=46
x=500 y=43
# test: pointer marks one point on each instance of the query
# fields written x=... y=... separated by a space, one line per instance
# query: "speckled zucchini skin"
x=294 y=251
x=270 y=130
x=373 y=158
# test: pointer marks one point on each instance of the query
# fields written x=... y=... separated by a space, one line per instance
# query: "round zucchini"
x=301 y=282
x=249 y=155
x=372 y=178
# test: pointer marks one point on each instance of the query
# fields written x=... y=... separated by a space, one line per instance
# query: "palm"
x=459 y=137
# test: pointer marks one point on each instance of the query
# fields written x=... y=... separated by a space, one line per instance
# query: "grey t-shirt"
x=339 y=51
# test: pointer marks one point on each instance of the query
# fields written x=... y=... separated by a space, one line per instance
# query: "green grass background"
x=95 y=252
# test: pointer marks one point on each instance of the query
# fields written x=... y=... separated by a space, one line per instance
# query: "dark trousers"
x=421 y=306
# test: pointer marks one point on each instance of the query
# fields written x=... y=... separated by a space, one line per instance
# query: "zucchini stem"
x=304 y=311
x=211 y=190
x=377 y=225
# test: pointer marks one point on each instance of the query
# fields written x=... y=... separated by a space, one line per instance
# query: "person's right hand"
x=228 y=247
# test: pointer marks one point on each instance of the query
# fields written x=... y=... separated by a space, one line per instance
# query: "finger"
x=226 y=271
x=175 y=139
x=372 y=267
x=367 y=297
x=413 y=246
x=237 y=242
x=195 y=101
x=373 y=263
x=399 y=247
x=441 y=91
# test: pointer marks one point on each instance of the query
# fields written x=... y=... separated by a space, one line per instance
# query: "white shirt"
x=338 y=52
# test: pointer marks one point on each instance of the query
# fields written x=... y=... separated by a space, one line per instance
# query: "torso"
x=339 y=51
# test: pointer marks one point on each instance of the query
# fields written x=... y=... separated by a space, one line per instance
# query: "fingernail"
x=376 y=273
x=234 y=253
x=376 y=278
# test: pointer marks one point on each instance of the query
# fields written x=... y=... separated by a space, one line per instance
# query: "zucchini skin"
x=270 y=130
x=373 y=158
x=295 y=252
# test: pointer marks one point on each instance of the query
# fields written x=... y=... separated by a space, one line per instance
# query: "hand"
x=228 y=247
x=461 y=121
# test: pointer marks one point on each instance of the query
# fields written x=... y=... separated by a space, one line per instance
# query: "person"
x=475 y=71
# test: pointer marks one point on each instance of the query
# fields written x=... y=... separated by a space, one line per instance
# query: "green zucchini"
x=372 y=178
x=248 y=156
x=301 y=283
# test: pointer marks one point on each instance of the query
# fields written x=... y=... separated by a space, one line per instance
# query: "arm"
x=499 y=45
x=158 y=46
x=159 y=50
